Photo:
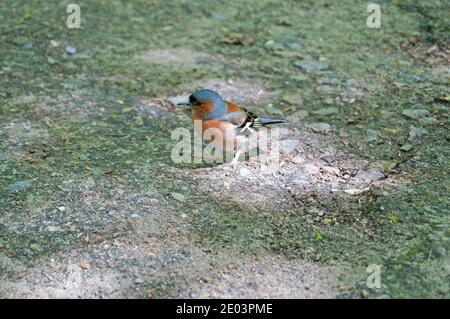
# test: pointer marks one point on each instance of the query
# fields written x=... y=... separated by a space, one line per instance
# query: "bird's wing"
x=237 y=116
x=245 y=121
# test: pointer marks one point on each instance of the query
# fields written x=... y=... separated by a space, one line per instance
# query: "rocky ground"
x=91 y=205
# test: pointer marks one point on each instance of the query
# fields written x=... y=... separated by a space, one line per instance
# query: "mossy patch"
x=70 y=119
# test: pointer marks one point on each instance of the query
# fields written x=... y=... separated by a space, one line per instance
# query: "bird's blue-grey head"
x=206 y=96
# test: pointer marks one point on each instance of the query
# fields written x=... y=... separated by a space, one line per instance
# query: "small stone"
x=329 y=81
x=415 y=133
x=53 y=229
x=326 y=89
x=287 y=146
x=310 y=65
x=386 y=114
x=326 y=111
x=291 y=42
x=312 y=169
x=447 y=269
x=217 y=16
x=331 y=170
x=270 y=44
x=177 y=196
x=183 y=215
x=61 y=208
x=443 y=291
x=370 y=175
x=328 y=101
x=19 y=186
x=293 y=99
x=355 y=192
x=415 y=113
x=175 y=100
x=138 y=281
x=71 y=50
x=428 y=121
x=406 y=147
x=299 y=78
x=364 y=294
x=320 y=127
x=85 y=266
x=244 y=172
x=51 y=61
x=273 y=110
x=134 y=216
x=28 y=45
x=372 y=135
x=299 y=115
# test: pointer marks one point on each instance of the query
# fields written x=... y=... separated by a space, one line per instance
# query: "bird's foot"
x=235 y=161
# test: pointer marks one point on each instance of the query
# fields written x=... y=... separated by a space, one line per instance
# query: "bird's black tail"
x=261 y=121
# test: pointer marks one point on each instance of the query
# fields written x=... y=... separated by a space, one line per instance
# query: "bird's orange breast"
x=222 y=134
x=199 y=112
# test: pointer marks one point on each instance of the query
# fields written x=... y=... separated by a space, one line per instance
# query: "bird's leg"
x=235 y=160
x=247 y=127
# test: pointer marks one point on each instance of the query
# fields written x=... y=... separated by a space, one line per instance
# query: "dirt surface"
x=92 y=206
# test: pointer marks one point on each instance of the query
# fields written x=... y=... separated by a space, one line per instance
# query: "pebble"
x=326 y=111
x=372 y=135
x=415 y=113
x=416 y=132
x=85 y=266
x=244 y=172
x=310 y=65
x=71 y=50
x=174 y=100
x=428 y=121
x=273 y=110
x=331 y=170
x=298 y=115
x=177 y=196
x=320 y=127
x=19 y=186
x=406 y=147
x=287 y=146
x=293 y=99
x=53 y=229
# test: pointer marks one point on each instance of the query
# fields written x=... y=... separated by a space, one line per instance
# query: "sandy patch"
x=187 y=59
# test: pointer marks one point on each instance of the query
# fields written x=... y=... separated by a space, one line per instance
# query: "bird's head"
x=209 y=102
x=203 y=98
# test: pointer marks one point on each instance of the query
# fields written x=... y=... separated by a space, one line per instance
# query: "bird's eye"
x=195 y=102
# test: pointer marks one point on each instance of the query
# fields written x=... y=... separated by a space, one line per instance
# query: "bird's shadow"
x=197 y=165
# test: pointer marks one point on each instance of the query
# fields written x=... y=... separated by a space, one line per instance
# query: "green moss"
x=113 y=145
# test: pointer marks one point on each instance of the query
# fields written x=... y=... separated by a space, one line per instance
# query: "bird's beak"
x=185 y=102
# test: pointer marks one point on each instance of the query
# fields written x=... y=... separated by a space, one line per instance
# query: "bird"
x=234 y=122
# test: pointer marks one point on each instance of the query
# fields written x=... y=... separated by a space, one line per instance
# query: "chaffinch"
x=231 y=120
